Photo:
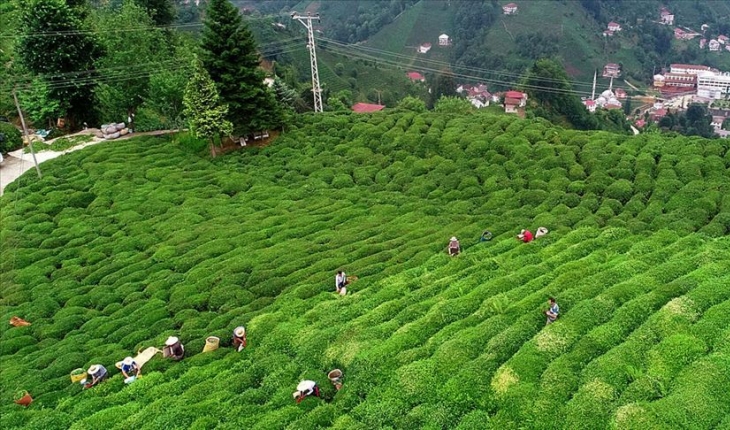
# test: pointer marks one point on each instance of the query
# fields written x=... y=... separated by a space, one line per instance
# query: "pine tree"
x=232 y=60
x=203 y=109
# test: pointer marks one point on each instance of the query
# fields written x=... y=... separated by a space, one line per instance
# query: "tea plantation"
x=123 y=244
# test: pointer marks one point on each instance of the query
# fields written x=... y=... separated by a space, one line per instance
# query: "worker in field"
x=525 y=236
x=553 y=312
x=239 y=338
x=129 y=368
x=540 y=232
x=173 y=349
x=454 y=247
x=97 y=373
x=304 y=389
x=340 y=281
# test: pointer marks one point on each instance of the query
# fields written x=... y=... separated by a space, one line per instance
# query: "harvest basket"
x=211 y=344
x=77 y=375
x=335 y=376
x=23 y=398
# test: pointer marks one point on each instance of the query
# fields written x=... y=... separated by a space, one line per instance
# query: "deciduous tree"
x=58 y=46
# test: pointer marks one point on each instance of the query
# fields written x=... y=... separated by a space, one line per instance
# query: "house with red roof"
x=640 y=123
x=666 y=17
x=611 y=70
x=509 y=9
x=416 y=77
x=366 y=107
x=613 y=26
x=590 y=105
x=424 y=48
x=513 y=100
x=620 y=93
x=722 y=39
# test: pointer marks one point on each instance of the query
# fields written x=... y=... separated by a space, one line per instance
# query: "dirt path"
x=17 y=162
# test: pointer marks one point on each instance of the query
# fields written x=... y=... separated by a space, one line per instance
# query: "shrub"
x=10 y=138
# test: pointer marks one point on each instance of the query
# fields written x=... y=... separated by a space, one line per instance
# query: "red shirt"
x=527 y=236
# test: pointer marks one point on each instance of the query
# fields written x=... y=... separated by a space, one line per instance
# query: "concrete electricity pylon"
x=316 y=89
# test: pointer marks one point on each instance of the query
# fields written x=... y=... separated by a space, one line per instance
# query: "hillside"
x=122 y=244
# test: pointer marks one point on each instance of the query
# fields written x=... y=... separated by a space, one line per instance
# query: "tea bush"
x=107 y=257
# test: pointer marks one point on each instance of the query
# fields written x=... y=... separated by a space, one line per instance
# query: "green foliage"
x=107 y=257
x=10 y=137
x=59 y=64
x=455 y=105
x=205 y=114
x=230 y=56
x=38 y=105
x=412 y=104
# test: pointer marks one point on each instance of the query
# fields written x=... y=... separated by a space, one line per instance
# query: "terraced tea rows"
x=122 y=245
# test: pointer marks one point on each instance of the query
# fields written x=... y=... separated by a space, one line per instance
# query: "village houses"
x=666 y=17
x=714 y=45
x=444 y=40
x=424 y=48
x=509 y=9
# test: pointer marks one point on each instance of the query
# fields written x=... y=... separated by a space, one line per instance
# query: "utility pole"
x=379 y=91
x=25 y=133
x=307 y=22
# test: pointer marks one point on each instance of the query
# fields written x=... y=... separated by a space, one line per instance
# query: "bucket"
x=211 y=344
x=77 y=375
x=24 y=399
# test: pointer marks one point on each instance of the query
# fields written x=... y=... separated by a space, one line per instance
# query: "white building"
x=444 y=40
x=714 y=45
x=713 y=85
x=688 y=69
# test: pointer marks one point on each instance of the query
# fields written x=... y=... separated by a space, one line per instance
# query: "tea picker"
x=335 y=376
x=130 y=370
x=340 y=281
x=486 y=236
x=454 y=247
x=173 y=349
x=554 y=311
x=304 y=389
x=525 y=236
x=97 y=373
x=239 y=338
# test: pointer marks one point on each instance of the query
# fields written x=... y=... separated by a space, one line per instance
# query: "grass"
x=106 y=256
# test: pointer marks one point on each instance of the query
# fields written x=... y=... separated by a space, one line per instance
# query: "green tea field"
x=123 y=244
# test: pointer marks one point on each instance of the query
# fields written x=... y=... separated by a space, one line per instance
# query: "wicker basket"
x=78 y=375
x=211 y=344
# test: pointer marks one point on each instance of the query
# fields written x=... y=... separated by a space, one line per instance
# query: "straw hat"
x=522 y=232
x=128 y=361
x=93 y=369
x=239 y=331
x=172 y=340
x=296 y=394
x=453 y=238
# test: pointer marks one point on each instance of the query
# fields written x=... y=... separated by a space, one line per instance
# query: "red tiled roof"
x=426 y=45
x=613 y=24
x=513 y=95
x=509 y=5
x=415 y=76
x=511 y=102
x=366 y=107
x=590 y=103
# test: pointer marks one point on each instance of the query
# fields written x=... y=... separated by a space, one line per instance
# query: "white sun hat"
x=453 y=238
x=239 y=331
x=296 y=394
x=93 y=369
x=128 y=361
x=172 y=340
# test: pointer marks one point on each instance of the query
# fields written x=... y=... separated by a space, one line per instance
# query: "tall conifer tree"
x=232 y=60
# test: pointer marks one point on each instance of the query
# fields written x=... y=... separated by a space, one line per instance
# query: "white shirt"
x=306 y=386
x=339 y=279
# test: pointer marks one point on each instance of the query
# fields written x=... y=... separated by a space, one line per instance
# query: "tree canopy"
x=230 y=56
x=57 y=45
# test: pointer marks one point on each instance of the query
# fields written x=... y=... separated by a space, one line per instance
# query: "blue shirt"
x=555 y=308
x=129 y=368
